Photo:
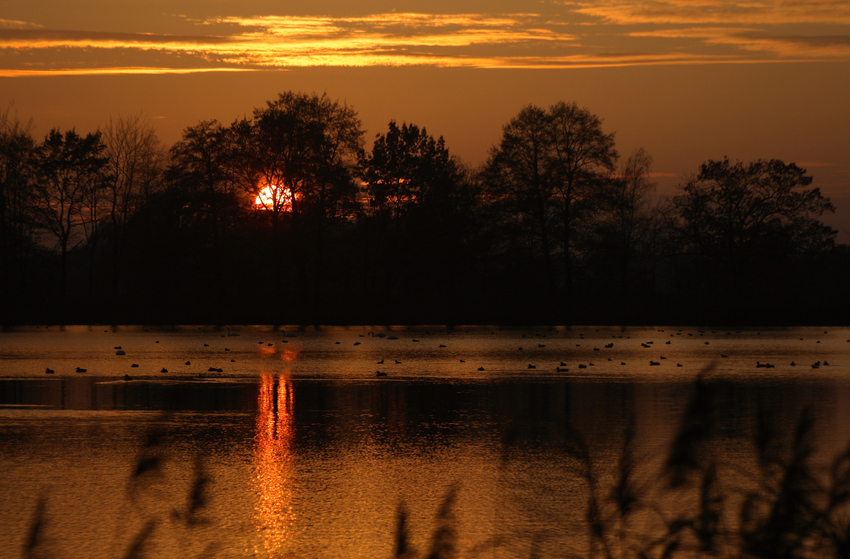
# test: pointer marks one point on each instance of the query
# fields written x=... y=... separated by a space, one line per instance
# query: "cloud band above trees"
x=569 y=34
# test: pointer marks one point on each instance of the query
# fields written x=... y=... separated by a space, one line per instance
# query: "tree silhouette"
x=747 y=221
x=626 y=230
x=285 y=210
x=135 y=165
x=408 y=170
x=16 y=223
x=302 y=151
x=548 y=174
x=581 y=159
x=69 y=168
x=306 y=149
x=422 y=202
x=201 y=165
x=516 y=178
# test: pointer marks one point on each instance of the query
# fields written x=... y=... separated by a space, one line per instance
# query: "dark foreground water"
x=296 y=448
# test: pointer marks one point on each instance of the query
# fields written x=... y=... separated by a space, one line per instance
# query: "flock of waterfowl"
x=561 y=367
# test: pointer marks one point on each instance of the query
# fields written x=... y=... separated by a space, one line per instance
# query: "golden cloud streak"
x=367 y=60
x=283 y=41
x=17 y=24
x=13 y=73
x=411 y=20
x=457 y=40
x=814 y=46
x=276 y=41
x=619 y=60
x=760 y=12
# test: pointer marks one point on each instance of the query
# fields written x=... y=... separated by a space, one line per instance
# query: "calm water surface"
x=305 y=452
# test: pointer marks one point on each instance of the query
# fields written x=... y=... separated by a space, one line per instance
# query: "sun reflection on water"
x=273 y=465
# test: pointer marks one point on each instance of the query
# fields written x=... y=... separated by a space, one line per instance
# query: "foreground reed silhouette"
x=786 y=507
x=148 y=503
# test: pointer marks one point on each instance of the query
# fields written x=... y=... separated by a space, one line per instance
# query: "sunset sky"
x=688 y=80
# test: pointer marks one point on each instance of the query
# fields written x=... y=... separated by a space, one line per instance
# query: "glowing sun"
x=275 y=197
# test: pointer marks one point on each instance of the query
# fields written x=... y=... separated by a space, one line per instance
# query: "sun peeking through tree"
x=275 y=198
x=307 y=146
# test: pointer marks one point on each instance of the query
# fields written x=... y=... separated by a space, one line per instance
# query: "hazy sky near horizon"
x=688 y=80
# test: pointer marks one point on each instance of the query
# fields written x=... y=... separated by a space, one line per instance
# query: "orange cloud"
x=749 y=39
x=109 y=71
x=16 y=24
x=517 y=40
x=282 y=41
x=761 y=12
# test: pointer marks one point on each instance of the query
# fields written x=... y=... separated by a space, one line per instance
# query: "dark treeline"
x=285 y=218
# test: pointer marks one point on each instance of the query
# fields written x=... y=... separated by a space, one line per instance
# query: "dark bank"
x=285 y=217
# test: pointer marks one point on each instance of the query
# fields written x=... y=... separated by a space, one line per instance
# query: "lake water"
x=296 y=448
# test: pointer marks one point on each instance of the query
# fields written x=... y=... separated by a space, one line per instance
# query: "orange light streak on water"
x=273 y=467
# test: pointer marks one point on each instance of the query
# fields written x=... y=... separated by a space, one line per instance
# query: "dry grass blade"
x=534 y=553
x=835 y=524
x=791 y=517
x=625 y=493
x=840 y=473
x=35 y=537
x=151 y=454
x=597 y=527
x=403 y=548
x=139 y=547
x=444 y=539
x=766 y=440
x=575 y=446
x=794 y=509
x=684 y=457
x=707 y=525
x=198 y=492
x=838 y=536
x=146 y=464
x=209 y=552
